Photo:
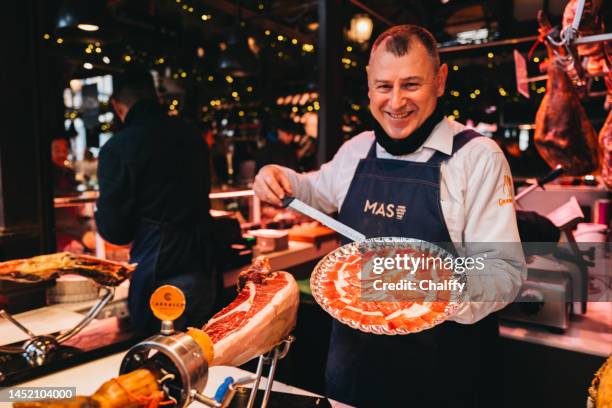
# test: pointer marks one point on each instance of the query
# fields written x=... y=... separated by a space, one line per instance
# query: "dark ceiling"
x=181 y=39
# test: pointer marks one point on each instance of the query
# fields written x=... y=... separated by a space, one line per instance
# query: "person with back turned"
x=154 y=184
x=455 y=188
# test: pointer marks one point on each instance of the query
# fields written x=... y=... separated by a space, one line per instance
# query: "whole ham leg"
x=563 y=133
x=605 y=143
x=263 y=313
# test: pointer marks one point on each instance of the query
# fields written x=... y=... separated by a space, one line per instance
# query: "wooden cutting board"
x=315 y=235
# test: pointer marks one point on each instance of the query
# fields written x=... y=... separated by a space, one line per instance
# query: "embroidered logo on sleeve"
x=507 y=189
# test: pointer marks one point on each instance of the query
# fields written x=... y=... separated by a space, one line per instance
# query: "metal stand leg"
x=256 y=383
x=272 y=357
x=270 y=383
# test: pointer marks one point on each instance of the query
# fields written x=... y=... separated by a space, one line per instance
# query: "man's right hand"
x=272 y=185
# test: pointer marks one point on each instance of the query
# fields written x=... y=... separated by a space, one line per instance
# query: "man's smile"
x=399 y=115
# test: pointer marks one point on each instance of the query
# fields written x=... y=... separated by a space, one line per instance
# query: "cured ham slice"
x=563 y=135
x=48 y=267
x=605 y=143
x=263 y=313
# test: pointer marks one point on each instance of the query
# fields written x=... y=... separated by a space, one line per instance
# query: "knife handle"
x=287 y=200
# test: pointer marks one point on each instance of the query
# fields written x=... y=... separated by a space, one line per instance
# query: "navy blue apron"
x=174 y=254
x=448 y=365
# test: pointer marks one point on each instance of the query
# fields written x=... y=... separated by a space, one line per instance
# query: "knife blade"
x=323 y=219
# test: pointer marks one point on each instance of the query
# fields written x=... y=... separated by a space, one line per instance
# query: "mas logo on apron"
x=387 y=210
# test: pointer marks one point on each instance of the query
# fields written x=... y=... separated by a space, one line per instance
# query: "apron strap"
x=372 y=152
x=461 y=139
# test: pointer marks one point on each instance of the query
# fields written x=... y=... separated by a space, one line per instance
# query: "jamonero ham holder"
x=171 y=368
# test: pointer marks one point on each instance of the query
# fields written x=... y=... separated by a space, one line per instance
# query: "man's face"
x=284 y=136
x=59 y=151
x=404 y=90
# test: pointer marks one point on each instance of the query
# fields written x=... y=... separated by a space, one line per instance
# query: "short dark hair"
x=133 y=85
x=400 y=38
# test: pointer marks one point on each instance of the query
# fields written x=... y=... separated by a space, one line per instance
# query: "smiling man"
x=417 y=175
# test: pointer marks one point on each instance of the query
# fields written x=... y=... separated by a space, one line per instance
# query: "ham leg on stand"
x=563 y=135
x=261 y=316
x=263 y=313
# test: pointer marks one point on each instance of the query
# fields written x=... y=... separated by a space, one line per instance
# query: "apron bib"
x=442 y=366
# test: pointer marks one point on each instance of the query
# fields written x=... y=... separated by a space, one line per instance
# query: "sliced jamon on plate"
x=344 y=284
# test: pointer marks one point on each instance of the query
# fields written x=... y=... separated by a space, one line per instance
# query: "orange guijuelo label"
x=167 y=302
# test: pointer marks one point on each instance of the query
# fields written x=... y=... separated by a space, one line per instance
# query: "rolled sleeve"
x=115 y=217
x=491 y=235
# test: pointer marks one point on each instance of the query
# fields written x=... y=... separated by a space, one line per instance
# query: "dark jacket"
x=154 y=185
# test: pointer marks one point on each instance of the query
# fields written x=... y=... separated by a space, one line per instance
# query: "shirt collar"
x=441 y=137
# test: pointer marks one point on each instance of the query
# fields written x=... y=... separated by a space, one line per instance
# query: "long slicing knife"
x=323 y=219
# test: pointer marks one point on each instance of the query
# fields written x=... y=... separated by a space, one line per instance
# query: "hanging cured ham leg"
x=563 y=133
x=605 y=143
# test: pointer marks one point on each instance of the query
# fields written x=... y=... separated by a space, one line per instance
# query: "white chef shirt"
x=475 y=196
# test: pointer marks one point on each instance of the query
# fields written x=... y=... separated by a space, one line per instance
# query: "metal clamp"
x=37 y=349
x=228 y=389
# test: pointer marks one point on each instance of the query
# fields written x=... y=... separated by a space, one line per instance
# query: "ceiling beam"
x=257 y=20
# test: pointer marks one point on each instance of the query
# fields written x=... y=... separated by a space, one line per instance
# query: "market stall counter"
x=88 y=377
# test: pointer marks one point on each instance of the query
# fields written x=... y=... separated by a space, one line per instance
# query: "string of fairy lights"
x=239 y=95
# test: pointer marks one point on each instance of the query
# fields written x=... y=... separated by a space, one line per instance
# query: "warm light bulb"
x=361 y=28
x=88 y=27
